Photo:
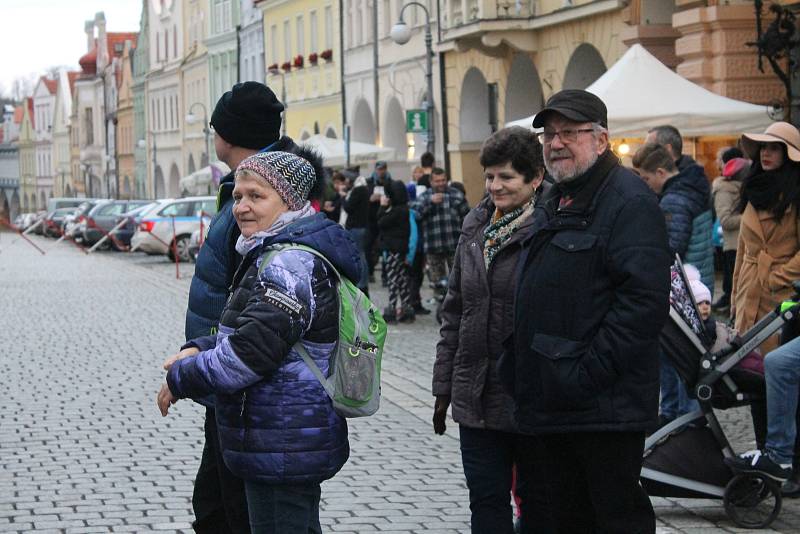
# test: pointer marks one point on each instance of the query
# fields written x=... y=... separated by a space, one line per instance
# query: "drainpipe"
x=375 y=74
x=341 y=70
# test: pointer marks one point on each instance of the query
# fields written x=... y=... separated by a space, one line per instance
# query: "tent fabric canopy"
x=640 y=93
x=205 y=180
x=333 y=151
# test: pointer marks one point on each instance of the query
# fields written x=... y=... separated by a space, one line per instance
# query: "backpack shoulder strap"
x=274 y=250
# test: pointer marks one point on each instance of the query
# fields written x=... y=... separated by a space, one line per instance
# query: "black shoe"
x=759 y=462
x=791 y=488
x=419 y=309
x=407 y=316
x=723 y=303
x=390 y=316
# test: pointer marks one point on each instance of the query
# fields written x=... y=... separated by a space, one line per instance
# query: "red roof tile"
x=71 y=77
x=119 y=38
x=18 y=112
x=88 y=61
x=52 y=85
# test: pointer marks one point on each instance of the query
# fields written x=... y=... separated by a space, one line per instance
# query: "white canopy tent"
x=640 y=92
x=333 y=151
x=204 y=181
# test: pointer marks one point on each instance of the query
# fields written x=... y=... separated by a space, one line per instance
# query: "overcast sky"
x=38 y=34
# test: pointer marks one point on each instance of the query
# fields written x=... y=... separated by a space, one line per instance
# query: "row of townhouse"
x=133 y=121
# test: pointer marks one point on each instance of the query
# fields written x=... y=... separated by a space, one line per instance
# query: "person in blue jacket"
x=246 y=120
x=278 y=429
x=684 y=197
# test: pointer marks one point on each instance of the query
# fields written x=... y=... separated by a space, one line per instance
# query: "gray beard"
x=579 y=170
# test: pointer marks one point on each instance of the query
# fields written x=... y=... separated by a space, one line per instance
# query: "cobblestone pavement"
x=83 y=448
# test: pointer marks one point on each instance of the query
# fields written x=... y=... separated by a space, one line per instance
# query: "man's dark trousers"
x=219 y=500
x=594 y=478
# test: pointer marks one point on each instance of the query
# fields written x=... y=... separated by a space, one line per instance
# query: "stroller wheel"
x=752 y=500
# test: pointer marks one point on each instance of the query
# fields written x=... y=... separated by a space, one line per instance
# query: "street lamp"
x=401 y=34
x=190 y=119
x=143 y=144
x=275 y=72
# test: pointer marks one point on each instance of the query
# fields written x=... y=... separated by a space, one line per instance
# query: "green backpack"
x=354 y=384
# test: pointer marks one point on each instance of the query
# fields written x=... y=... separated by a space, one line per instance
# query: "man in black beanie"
x=246 y=120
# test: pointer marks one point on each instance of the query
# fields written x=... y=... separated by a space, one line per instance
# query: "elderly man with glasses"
x=592 y=297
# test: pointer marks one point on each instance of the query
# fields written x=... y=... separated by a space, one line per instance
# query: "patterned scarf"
x=503 y=227
x=246 y=244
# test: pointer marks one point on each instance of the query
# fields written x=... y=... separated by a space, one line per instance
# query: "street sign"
x=416 y=121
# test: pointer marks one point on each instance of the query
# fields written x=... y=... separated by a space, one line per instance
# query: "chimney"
x=88 y=27
x=102 y=41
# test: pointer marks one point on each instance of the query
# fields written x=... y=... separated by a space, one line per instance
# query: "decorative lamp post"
x=401 y=34
x=191 y=118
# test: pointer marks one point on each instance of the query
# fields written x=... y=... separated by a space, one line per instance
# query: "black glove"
x=440 y=413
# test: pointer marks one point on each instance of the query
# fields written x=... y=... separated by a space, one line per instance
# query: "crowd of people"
x=553 y=398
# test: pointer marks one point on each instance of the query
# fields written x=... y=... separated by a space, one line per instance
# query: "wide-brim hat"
x=778 y=132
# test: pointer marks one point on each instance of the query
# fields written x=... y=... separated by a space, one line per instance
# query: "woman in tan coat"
x=768 y=254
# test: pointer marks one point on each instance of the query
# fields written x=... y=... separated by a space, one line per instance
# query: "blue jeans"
x=359 y=235
x=489 y=457
x=782 y=373
x=675 y=400
x=286 y=509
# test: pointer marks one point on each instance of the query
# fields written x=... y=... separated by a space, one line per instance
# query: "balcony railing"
x=459 y=13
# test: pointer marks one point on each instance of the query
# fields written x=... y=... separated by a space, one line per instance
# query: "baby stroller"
x=685 y=458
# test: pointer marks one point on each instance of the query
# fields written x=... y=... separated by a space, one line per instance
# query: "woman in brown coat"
x=768 y=254
x=477 y=316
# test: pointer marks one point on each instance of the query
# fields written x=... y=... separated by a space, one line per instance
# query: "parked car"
x=24 y=221
x=102 y=218
x=132 y=220
x=40 y=216
x=63 y=202
x=156 y=235
x=54 y=222
x=75 y=224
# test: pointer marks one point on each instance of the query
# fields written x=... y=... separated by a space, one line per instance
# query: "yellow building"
x=521 y=52
x=197 y=144
x=27 y=160
x=125 y=138
x=303 y=64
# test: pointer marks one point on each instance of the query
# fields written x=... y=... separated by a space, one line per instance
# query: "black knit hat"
x=248 y=116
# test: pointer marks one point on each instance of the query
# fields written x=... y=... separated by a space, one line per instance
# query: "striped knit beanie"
x=291 y=176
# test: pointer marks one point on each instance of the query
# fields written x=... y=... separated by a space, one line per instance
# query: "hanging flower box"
x=298 y=62
x=327 y=55
x=313 y=58
x=272 y=68
x=286 y=66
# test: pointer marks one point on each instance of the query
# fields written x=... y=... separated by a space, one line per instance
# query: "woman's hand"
x=185 y=353
x=165 y=399
x=440 y=413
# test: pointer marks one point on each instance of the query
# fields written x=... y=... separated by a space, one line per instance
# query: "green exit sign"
x=416 y=121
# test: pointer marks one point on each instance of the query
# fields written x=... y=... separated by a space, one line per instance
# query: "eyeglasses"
x=567 y=135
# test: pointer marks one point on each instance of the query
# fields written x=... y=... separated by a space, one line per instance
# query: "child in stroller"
x=686 y=458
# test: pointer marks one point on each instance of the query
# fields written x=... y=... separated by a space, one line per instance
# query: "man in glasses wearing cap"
x=592 y=298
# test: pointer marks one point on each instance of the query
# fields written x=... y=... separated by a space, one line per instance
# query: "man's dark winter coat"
x=591 y=300
x=686 y=203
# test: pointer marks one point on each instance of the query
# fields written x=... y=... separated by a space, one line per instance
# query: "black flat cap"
x=576 y=105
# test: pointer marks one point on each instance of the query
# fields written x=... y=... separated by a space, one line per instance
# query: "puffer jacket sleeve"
x=679 y=217
x=725 y=200
x=277 y=315
x=639 y=263
x=451 y=324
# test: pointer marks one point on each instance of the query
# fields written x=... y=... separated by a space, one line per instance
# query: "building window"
x=158 y=47
x=301 y=36
x=313 y=30
x=328 y=28
x=287 y=40
x=273 y=44
x=175 y=40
